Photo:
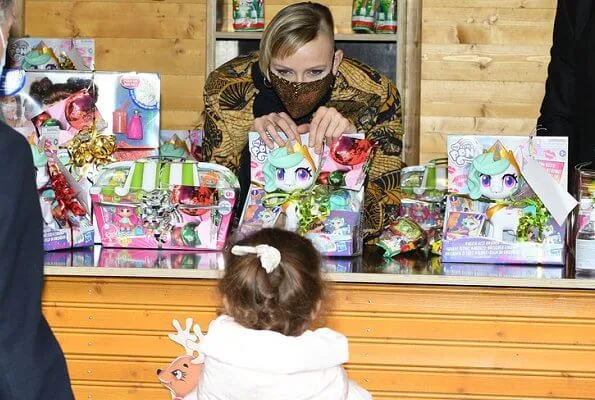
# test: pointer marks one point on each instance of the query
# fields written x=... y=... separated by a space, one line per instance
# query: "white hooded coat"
x=242 y=363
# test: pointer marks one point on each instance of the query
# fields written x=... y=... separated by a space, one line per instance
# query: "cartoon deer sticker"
x=181 y=377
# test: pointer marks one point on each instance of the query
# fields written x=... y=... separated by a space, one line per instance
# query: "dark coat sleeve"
x=558 y=110
x=32 y=365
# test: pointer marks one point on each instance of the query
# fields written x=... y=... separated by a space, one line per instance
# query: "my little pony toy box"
x=318 y=196
x=493 y=215
x=164 y=204
x=51 y=54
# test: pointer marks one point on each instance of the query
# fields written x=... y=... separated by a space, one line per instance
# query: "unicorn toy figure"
x=338 y=226
x=289 y=169
x=496 y=175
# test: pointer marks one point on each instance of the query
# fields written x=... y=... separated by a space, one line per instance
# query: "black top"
x=32 y=365
x=568 y=107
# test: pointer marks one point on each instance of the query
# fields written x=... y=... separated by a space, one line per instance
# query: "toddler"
x=261 y=347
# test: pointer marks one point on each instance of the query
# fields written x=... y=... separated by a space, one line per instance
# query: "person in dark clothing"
x=568 y=108
x=299 y=82
x=32 y=365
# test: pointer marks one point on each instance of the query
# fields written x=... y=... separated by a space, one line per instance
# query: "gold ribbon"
x=91 y=147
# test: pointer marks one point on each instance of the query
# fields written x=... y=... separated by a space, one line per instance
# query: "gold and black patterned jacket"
x=369 y=100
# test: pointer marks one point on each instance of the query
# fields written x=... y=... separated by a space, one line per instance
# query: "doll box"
x=492 y=214
x=60 y=106
x=51 y=54
x=183 y=205
x=318 y=196
x=126 y=104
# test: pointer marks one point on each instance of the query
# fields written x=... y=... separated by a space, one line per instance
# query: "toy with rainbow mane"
x=318 y=196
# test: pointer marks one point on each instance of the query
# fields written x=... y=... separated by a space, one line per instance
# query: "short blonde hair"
x=292 y=28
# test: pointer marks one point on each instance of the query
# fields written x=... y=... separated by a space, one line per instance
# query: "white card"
x=557 y=200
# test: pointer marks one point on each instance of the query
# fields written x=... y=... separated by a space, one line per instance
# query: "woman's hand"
x=329 y=124
x=268 y=126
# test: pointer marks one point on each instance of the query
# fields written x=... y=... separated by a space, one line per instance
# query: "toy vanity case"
x=320 y=197
x=492 y=213
x=164 y=204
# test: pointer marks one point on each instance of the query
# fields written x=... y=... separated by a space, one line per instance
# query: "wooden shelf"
x=238 y=35
x=340 y=37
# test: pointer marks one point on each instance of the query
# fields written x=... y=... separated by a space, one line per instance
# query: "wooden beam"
x=19 y=23
x=412 y=87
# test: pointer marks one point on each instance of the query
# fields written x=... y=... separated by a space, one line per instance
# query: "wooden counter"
x=411 y=336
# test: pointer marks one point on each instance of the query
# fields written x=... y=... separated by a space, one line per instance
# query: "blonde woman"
x=299 y=82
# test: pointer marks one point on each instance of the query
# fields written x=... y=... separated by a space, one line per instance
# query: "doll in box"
x=71 y=103
x=125 y=218
x=289 y=169
x=496 y=175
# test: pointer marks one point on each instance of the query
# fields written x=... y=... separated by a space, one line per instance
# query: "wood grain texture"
x=406 y=342
x=483 y=61
x=464 y=62
x=409 y=70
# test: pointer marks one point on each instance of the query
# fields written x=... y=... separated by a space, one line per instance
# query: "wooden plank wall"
x=406 y=342
x=484 y=64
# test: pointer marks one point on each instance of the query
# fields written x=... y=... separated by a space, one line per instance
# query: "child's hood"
x=273 y=352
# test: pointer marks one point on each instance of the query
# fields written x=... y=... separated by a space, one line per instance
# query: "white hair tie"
x=269 y=256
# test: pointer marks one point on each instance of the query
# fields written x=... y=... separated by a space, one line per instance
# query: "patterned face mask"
x=300 y=98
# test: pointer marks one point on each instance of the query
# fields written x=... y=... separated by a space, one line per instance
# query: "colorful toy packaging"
x=248 y=15
x=122 y=104
x=88 y=118
x=177 y=144
x=319 y=197
x=493 y=214
x=503 y=271
x=421 y=210
x=164 y=204
x=65 y=211
x=51 y=54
